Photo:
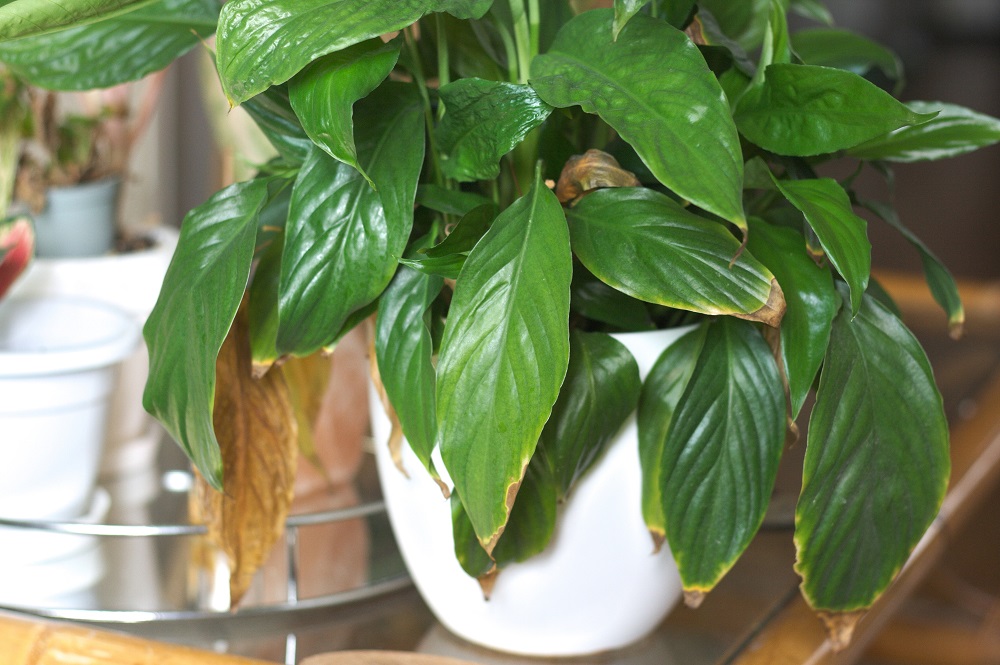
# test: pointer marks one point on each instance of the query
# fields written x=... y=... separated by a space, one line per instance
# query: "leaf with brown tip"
x=592 y=170
x=256 y=428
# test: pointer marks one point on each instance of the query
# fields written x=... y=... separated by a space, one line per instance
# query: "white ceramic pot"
x=597 y=587
x=57 y=366
x=130 y=282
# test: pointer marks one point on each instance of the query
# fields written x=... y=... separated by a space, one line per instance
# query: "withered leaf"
x=307 y=380
x=256 y=429
x=592 y=170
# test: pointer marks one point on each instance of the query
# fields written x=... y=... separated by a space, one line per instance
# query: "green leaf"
x=644 y=244
x=448 y=201
x=112 y=51
x=272 y=111
x=344 y=239
x=624 y=11
x=25 y=18
x=842 y=234
x=720 y=457
x=940 y=280
x=403 y=348
x=843 y=49
x=504 y=356
x=263 y=307
x=813 y=9
x=653 y=87
x=676 y=12
x=745 y=22
x=601 y=389
x=201 y=291
x=324 y=93
x=483 y=121
x=448 y=266
x=811 y=299
x=658 y=400
x=876 y=465
x=803 y=110
x=467 y=232
x=954 y=131
x=470 y=554
x=251 y=32
x=596 y=300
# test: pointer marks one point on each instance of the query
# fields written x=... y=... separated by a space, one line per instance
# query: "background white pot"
x=57 y=366
x=131 y=282
x=597 y=587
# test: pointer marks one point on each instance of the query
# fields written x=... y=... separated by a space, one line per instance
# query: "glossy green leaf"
x=955 y=131
x=601 y=389
x=324 y=93
x=843 y=235
x=201 y=291
x=25 y=18
x=876 y=465
x=811 y=299
x=843 y=49
x=658 y=401
x=644 y=244
x=939 y=279
x=449 y=201
x=344 y=239
x=483 y=121
x=263 y=42
x=814 y=9
x=272 y=111
x=112 y=51
x=504 y=356
x=469 y=553
x=803 y=110
x=624 y=11
x=595 y=300
x=720 y=457
x=448 y=266
x=404 y=349
x=263 y=293
x=675 y=12
x=653 y=87
x=467 y=232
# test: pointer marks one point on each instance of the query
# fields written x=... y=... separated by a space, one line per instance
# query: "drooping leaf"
x=939 y=279
x=272 y=111
x=483 y=121
x=658 y=400
x=653 y=87
x=876 y=465
x=504 y=356
x=201 y=292
x=252 y=32
x=644 y=244
x=601 y=389
x=324 y=93
x=843 y=235
x=955 y=131
x=404 y=349
x=720 y=457
x=25 y=18
x=843 y=49
x=257 y=433
x=803 y=110
x=112 y=51
x=811 y=299
x=344 y=239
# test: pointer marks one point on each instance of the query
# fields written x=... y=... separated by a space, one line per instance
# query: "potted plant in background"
x=420 y=144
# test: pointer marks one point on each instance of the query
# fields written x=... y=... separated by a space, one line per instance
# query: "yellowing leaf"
x=307 y=379
x=256 y=429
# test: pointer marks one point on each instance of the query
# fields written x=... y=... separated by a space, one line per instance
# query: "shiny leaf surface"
x=653 y=87
x=720 y=457
x=201 y=292
x=24 y=18
x=504 y=356
x=876 y=465
x=263 y=42
x=272 y=111
x=644 y=244
x=803 y=110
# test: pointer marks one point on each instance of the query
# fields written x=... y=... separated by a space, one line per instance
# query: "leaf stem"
x=418 y=76
x=522 y=39
x=444 y=72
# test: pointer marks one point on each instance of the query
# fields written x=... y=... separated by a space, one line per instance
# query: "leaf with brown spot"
x=592 y=170
x=256 y=428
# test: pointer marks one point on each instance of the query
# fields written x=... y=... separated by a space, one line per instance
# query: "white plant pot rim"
x=108 y=348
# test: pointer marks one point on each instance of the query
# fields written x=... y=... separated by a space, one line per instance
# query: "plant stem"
x=522 y=39
x=444 y=72
x=534 y=27
x=418 y=75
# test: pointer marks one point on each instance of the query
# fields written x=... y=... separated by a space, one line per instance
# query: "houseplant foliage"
x=420 y=144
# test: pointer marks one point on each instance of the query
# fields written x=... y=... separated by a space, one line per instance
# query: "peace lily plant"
x=499 y=184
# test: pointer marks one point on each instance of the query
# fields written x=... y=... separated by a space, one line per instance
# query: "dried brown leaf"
x=307 y=380
x=256 y=428
x=592 y=170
